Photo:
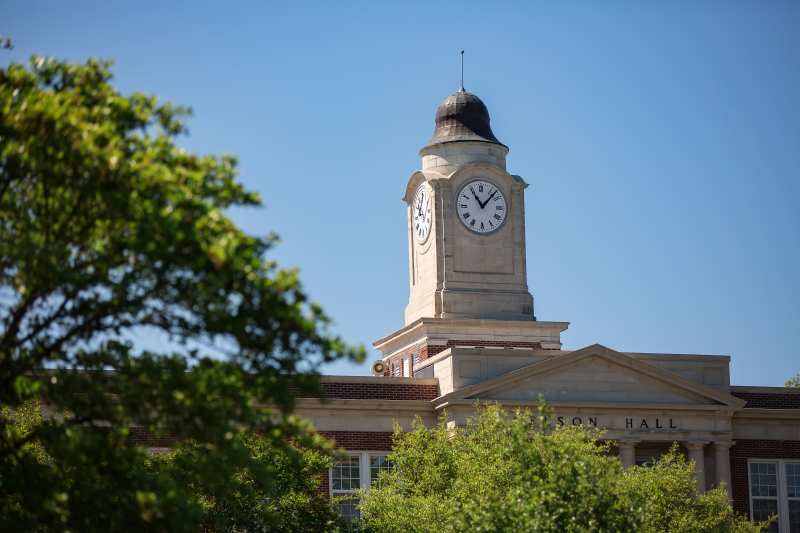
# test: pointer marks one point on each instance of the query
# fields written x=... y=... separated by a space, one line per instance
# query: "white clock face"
x=421 y=213
x=481 y=206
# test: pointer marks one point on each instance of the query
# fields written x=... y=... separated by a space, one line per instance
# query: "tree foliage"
x=793 y=381
x=109 y=229
x=504 y=472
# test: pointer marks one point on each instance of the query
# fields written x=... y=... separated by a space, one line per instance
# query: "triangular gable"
x=595 y=374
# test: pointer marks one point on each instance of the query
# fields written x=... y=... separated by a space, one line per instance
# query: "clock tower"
x=466 y=222
x=466 y=254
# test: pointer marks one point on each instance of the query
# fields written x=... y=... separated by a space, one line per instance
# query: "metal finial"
x=462 y=71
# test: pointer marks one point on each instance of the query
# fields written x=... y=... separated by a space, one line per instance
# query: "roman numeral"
x=499 y=207
x=462 y=206
x=482 y=225
x=466 y=216
x=472 y=222
x=496 y=216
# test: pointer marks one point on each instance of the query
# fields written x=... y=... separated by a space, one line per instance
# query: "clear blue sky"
x=661 y=142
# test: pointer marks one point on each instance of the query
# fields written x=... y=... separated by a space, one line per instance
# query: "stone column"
x=627 y=452
x=722 y=460
x=696 y=454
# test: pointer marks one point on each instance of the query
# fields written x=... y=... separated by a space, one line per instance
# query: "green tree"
x=108 y=229
x=668 y=502
x=512 y=472
x=793 y=381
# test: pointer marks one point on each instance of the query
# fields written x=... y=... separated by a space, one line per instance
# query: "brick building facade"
x=471 y=334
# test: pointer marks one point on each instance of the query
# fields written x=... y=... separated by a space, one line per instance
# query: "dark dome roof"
x=462 y=117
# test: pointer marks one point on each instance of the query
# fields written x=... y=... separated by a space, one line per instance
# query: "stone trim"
x=464 y=324
x=425 y=351
x=596 y=350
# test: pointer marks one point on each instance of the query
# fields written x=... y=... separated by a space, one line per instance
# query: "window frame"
x=343 y=492
x=364 y=472
x=782 y=496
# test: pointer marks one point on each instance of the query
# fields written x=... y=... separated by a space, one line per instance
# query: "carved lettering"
x=631 y=423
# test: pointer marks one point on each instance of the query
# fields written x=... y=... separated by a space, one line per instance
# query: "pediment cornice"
x=484 y=390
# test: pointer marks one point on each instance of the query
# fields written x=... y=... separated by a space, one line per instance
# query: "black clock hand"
x=488 y=199
x=476 y=196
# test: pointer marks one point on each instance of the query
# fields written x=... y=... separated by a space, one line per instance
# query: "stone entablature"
x=427 y=337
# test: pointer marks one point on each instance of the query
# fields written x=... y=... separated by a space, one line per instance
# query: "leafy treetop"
x=109 y=228
x=512 y=472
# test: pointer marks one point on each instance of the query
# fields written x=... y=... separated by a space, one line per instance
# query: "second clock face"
x=481 y=206
x=421 y=213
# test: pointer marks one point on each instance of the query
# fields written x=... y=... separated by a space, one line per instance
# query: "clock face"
x=481 y=206
x=421 y=213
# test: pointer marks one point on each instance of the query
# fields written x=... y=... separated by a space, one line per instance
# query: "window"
x=793 y=496
x=357 y=470
x=378 y=464
x=775 y=490
x=345 y=478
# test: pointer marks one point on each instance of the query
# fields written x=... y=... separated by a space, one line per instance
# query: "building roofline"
x=765 y=390
x=381 y=380
x=678 y=356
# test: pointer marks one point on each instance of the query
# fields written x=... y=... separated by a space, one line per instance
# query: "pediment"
x=595 y=374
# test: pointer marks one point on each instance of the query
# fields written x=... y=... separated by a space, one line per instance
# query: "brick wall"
x=361 y=440
x=770 y=400
x=379 y=391
x=139 y=436
x=324 y=484
x=745 y=449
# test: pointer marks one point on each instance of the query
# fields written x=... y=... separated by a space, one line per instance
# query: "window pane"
x=346 y=474
x=794 y=516
x=763 y=479
x=349 y=509
x=763 y=509
x=793 y=480
x=378 y=464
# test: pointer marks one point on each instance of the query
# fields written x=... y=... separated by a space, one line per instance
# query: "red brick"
x=379 y=391
x=770 y=400
x=361 y=440
x=745 y=449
